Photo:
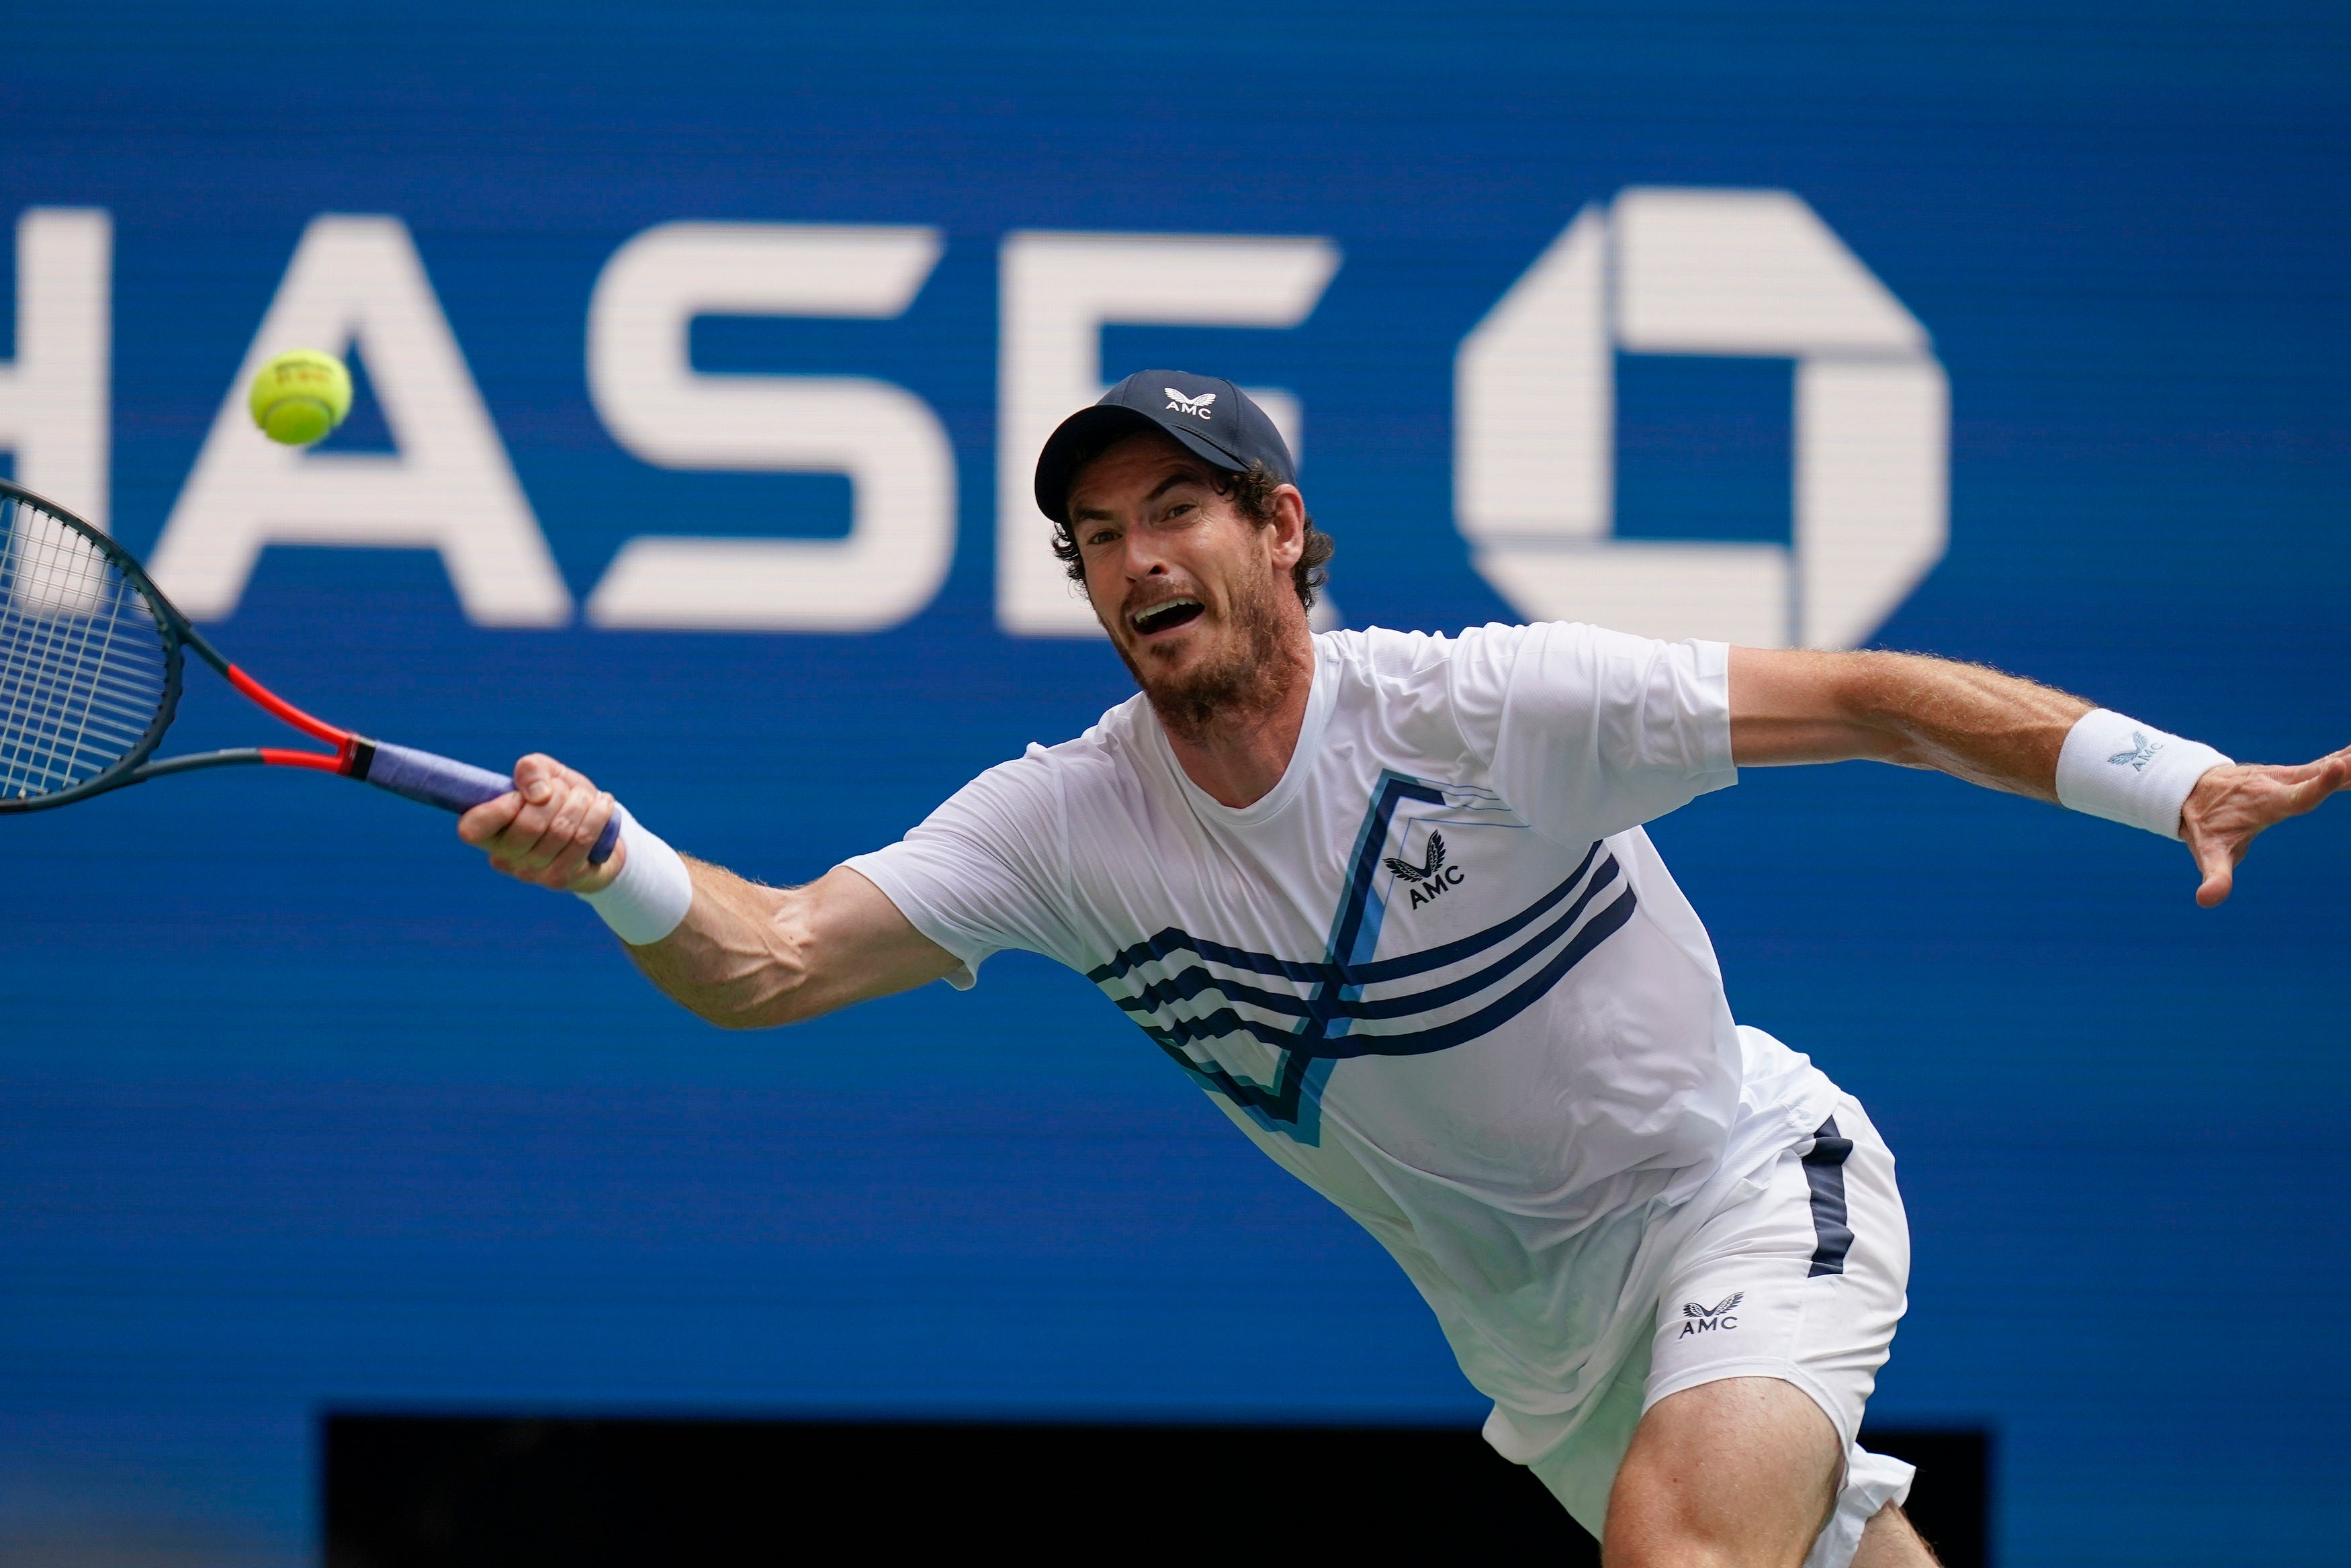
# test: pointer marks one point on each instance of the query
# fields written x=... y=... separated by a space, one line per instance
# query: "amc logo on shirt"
x=1431 y=877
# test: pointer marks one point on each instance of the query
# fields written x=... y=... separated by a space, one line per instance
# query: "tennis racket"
x=91 y=658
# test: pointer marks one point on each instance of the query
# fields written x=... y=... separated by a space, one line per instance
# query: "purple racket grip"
x=457 y=786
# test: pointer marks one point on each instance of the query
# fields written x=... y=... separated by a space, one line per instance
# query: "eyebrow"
x=1182 y=476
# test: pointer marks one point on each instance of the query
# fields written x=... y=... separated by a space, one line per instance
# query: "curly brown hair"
x=1252 y=492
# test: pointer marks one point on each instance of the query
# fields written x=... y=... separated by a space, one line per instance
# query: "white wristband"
x=2130 y=773
x=649 y=896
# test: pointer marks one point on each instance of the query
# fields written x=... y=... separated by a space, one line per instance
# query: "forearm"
x=2010 y=734
x=750 y=956
x=1909 y=710
x=738 y=959
x=738 y=954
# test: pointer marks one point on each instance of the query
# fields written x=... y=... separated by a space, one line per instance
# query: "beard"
x=1249 y=675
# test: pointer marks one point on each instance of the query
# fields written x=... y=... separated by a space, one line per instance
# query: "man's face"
x=1195 y=596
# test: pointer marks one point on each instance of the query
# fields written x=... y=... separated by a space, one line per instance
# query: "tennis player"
x=1386 y=898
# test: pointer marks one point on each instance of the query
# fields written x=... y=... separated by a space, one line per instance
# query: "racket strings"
x=83 y=666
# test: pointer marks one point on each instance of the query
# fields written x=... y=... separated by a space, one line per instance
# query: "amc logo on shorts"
x=1700 y=1319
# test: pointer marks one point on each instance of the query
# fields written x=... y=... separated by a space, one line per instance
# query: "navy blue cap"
x=1211 y=419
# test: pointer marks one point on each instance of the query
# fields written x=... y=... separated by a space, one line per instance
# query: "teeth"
x=1142 y=620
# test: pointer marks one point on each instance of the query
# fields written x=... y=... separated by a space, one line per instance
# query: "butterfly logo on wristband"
x=2137 y=759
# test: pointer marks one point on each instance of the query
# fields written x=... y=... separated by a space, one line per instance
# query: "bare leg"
x=1737 y=1474
x=1741 y=1473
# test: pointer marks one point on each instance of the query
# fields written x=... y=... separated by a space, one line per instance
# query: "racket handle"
x=455 y=786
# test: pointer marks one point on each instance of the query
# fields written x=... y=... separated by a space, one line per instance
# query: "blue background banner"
x=300 y=1108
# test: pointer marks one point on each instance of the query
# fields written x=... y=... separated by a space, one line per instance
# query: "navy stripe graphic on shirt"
x=1315 y=1021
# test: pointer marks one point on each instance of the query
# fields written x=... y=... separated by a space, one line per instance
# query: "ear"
x=1289 y=526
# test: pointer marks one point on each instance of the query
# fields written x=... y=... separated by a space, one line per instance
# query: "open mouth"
x=1165 y=616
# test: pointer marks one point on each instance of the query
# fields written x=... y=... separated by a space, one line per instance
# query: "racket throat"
x=353 y=755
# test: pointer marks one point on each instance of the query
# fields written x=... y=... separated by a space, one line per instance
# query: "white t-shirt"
x=1439 y=972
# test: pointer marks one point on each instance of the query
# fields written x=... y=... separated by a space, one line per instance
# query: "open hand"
x=2230 y=805
x=541 y=830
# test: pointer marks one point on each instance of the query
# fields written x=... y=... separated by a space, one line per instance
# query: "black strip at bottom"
x=1824 y=1170
x=409 y=1491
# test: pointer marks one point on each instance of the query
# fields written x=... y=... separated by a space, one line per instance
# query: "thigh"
x=1786 y=1302
x=1740 y=1471
x=1805 y=1283
x=1799 y=1288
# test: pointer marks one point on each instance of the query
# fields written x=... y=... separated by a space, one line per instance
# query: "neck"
x=1240 y=753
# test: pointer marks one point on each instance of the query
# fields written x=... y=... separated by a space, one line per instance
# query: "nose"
x=1143 y=557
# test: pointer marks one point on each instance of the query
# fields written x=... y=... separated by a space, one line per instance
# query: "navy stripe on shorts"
x=1824 y=1170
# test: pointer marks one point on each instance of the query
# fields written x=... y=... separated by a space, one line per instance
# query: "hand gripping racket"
x=89 y=679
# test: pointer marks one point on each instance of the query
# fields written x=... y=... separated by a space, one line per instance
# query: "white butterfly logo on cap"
x=1196 y=407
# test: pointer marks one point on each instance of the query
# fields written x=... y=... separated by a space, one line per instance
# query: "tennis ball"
x=300 y=395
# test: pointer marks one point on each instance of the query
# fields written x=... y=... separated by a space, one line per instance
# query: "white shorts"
x=1805 y=1283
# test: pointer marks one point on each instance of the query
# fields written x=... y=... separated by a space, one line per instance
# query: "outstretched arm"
x=1988 y=728
x=745 y=956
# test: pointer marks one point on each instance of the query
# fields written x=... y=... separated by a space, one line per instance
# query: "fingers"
x=541 y=833
x=589 y=879
x=2217 y=849
x=2230 y=806
x=2326 y=776
x=2297 y=789
x=576 y=837
x=2219 y=876
x=538 y=767
x=490 y=819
